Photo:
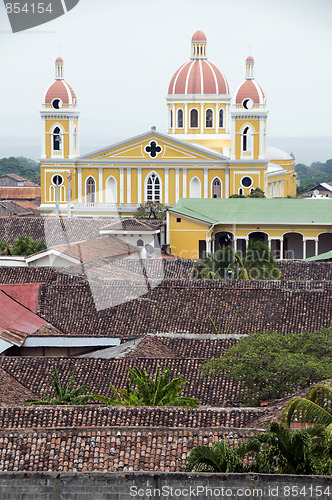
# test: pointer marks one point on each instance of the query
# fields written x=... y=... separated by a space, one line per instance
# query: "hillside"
x=314 y=174
x=29 y=169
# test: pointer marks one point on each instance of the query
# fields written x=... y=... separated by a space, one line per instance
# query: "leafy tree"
x=218 y=458
x=5 y=248
x=151 y=209
x=256 y=193
x=162 y=390
x=25 y=245
x=64 y=394
x=315 y=408
x=278 y=450
x=314 y=174
x=271 y=365
x=214 y=265
x=237 y=196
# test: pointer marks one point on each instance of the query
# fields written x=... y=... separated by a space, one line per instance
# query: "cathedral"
x=215 y=147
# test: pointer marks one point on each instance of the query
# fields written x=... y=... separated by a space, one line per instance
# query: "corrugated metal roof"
x=256 y=210
x=15 y=317
x=13 y=337
x=25 y=293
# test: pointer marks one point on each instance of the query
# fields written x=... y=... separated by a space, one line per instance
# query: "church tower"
x=198 y=101
x=249 y=116
x=59 y=118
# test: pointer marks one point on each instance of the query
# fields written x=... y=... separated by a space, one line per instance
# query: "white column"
x=316 y=246
x=128 y=185
x=79 y=184
x=233 y=138
x=304 y=243
x=184 y=188
x=269 y=243
x=226 y=182
x=166 y=184
x=261 y=141
x=226 y=119
x=177 y=185
x=174 y=118
x=208 y=245
x=139 y=185
x=43 y=146
x=186 y=118
x=121 y=186
x=216 y=119
x=71 y=138
x=202 y=117
x=100 y=184
x=206 y=183
x=281 y=248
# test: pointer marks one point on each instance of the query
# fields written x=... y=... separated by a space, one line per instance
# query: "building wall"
x=125 y=485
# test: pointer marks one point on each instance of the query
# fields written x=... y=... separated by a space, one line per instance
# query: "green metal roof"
x=256 y=210
x=322 y=256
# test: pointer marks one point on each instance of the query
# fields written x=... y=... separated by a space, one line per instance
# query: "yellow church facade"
x=215 y=147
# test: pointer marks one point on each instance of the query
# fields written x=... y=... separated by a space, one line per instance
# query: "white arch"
x=221 y=118
x=212 y=113
x=153 y=193
x=218 y=178
x=177 y=118
x=190 y=113
x=111 y=190
x=54 y=126
x=195 y=188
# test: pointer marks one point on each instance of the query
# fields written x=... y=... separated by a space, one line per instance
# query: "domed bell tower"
x=59 y=117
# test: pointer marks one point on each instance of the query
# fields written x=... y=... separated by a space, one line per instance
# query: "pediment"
x=153 y=146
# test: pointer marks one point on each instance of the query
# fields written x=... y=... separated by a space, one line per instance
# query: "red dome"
x=198 y=76
x=60 y=90
x=250 y=59
x=59 y=60
x=250 y=90
x=199 y=36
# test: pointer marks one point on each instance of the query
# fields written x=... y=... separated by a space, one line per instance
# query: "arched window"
x=209 y=118
x=240 y=191
x=153 y=188
x=180 y=118
x=247 y=140
x=194 y=118
x=57 y=139
x=170 y=118
x=111 y=190
x=216 y=188
x=221 y=118
x=90 y=191
x=140 y=243
x=195 y=188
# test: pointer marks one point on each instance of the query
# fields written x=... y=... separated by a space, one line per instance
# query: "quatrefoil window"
x=153 y=149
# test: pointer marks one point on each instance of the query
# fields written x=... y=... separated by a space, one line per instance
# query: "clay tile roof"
x=129 y=225
x=12 y=392
x=61 y=90
x=198 y=77
x=250 y=90
x=20 y=192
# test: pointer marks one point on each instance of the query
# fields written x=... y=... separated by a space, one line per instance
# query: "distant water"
x=305 y=149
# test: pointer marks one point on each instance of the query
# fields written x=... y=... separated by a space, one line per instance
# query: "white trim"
x=107 y=197
x=188 y=76
x=146 y=186
x=51 y=251
x=206 y=182
x=190 y=187
x=177 y=185
x=212 y=118
x=177 y=118
x=178 y=74
x=221 y=186
x=85 y=191
x=100 y=185
x=166 y=184
x=192 y=109
x=79 y=184
x=121 y=186
x=139 y=185
x=184 y=178
x=69 y=341
x=128 y=185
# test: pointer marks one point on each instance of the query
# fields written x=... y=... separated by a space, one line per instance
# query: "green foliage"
x=315 y=408
x=151 y=209
x=257 y=263
x=272 y=365
x=64 y=395
x=25 y=245
x=314 y=174
x=256 y=193
x=218 y=458
x=237 y=196
x=162 y=390
x=279 y=450
x=24 y=167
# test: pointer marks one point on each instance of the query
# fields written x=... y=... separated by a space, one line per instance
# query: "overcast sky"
x=120 y=56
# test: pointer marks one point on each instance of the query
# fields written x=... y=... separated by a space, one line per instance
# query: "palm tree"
x=5 y=248
x=25 y=245
x=279 y=450
x=218 y=458
x=315 y=408
x=257 y=263
x=64 y=395
x=158 y=391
